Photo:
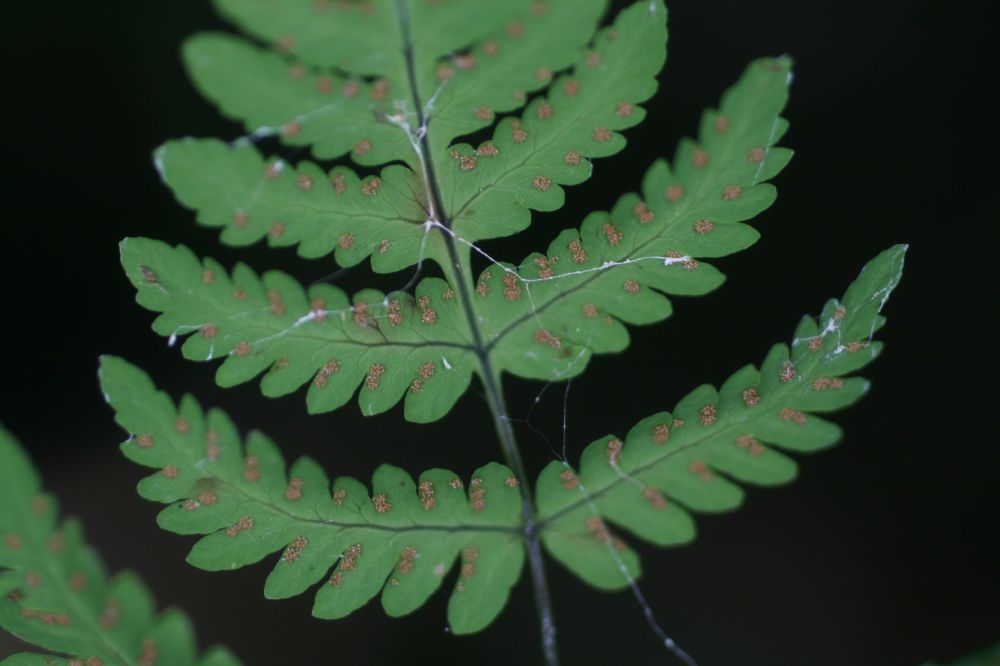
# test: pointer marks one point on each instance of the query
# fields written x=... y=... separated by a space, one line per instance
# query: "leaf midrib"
x=295 y=331
x=490 y=378
x=458 y=527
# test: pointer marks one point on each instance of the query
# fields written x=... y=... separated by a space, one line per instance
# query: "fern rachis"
x=397 y=85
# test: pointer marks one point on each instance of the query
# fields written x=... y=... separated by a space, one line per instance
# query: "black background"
x=883 y=552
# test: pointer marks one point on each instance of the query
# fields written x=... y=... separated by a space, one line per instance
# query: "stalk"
x=458 y=267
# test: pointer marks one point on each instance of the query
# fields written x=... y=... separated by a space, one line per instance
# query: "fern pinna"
x=395 y=86
x=54 y=592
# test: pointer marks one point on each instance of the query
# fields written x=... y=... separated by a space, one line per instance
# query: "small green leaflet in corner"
x=55 y=594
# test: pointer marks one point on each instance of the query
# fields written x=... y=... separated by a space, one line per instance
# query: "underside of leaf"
x=404 y=96
x=542 y=320
x=693 y=458
x=402 y=539
x=54 y=592
x=404 y=536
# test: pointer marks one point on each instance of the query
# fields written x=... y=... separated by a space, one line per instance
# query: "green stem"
x=512 y=456
x=458 y=268
x=508 y=442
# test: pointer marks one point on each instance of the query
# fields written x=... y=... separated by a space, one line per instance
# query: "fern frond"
x=399 y=84
x=401 y=540
x=55 y=594
x=541 y=321
x=693 y=458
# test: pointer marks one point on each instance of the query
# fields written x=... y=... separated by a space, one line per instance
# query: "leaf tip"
x=104 y=362
x=159 y=161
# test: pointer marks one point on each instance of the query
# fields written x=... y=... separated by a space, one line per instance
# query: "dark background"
x=884 y=552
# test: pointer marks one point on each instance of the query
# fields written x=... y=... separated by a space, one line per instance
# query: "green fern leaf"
x=401 y=540
x=404 y=538
x=54 y=592
x=513 y=49
x=693 y=458
x=542 y=321
x=405 y=85
x=390 y=345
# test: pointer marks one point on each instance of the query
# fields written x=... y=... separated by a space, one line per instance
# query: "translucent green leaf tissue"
x=541 y=320
x=402 y=134
x=55 y=594
x=402 y=537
